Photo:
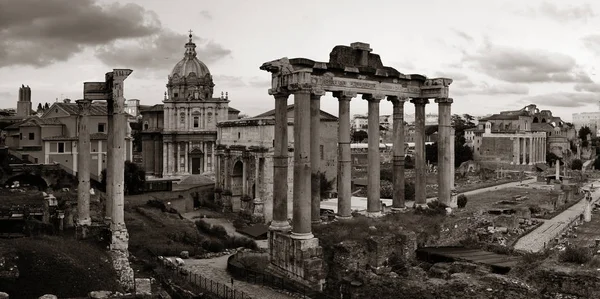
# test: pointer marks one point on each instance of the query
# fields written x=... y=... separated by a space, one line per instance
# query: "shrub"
x=461 y=201
x=387 y=189
x=576 y=254
x=576 y=164
x=434 y=208
x=535 y=209
x=156 y=204
x=236 y=241
x=213 y=245
x=217 y=231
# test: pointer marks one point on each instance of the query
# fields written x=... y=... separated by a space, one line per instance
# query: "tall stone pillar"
x=109 y=158
x=452 y=157
x=280 y=165
x=301 y=221
x=531 y=146
x=213 y=156
x=245 y=176
x=373 y=157
x=420 y=172
x=516 y=151
x=344 y=170
x=119 y=130
x=398 y=148
x=524 y=151
x=315 y=154
x=444 y=151
x=83 y=164
x=165 y=155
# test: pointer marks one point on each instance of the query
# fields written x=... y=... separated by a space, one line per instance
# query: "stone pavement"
x=360 y=203
x=536 y=240
x=216 y=270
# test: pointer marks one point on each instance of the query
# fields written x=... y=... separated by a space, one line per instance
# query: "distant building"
x=53 y=137
x=359 y=122
x=587 y=119
x=132 y=107
x=179 y=136
x=245 y=156
x=24 y=103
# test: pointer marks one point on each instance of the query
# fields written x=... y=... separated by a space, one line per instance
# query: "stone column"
x=398 y=148
x=165 y=117
x=256 y=176
x=452 y=159
x=280 y=165
x=205 y=152
x=213 y=156
x=315 y=154
x=516 y=147
x=244 y=176
x=301 y=220
x=444 y=152
x=187 y=161
x=531 y=151
x=420 y=172
x=344 y=169
x=119 y=131
x=109 y=159
x=524 y=151
x=165 y=155
x=373 y=156
x=83 y=164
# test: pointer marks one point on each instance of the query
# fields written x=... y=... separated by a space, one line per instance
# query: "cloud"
x=469 y=88
x=590 y=87
x=157 y=52
x=592 y=42
x=455 y=76
x=39 y=33
x=564 y=99
x=206 y=14
x=259 y=82
x=526 y=65
x=225 y=81
x=567 y=13
x=463 y=35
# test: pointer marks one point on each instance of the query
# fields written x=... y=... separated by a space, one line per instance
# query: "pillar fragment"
x=373 y=156
x=344 y=170
x=280 y=165
x=301 y=224
x=420 y=172
x=444 y=151
x=83 y=164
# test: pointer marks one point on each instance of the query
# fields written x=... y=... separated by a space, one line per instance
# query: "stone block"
x=143 y=286
x=523 y=212
x=100 y=294
x=185 y=254
x=508 y=221
x=48 y=296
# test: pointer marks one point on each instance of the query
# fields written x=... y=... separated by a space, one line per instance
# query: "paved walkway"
x=216 y=270
x=536 y=240
x=360 y=203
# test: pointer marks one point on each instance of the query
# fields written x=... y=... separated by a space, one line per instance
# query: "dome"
x=190 y=63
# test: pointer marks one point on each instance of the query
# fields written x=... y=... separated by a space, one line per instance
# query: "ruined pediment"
x=348 y=56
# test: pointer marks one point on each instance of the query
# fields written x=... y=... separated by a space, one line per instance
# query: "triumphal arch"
x=353 y=70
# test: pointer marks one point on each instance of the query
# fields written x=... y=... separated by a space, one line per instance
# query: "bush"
x=213 y=245
x=236 y=241
x=216 y=231
x=387 y=189
x=576 y=164
x=461 y=201
x=156 y=204
x=576 y=255
x=434 y=208
x=535 y=209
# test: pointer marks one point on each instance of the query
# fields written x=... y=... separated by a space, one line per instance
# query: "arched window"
x=196 y=121
x=146 y=125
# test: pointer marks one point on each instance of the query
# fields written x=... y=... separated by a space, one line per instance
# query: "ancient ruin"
x=350 y=71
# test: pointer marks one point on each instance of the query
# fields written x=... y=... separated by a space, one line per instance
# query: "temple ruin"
x=294 y=251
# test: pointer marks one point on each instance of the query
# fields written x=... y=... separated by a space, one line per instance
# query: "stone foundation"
x=119 y=240
x=258 y=213
x=124 y=271
x=299 y=260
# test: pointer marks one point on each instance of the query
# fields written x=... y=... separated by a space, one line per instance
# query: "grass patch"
x=575 y=255
x=56 y=265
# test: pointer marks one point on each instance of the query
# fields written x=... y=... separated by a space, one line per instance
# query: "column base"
x=421 y=205
x=280 y=226
x=374 y=214
x=343 y=218
x=119 y=240
x=300 y=260
x=126 y=276
x=302 y=236
x=258 y=215
x=399 y=210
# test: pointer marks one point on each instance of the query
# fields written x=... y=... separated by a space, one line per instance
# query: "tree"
x=431 y=153
x=597 y=164
x=359 y=136
x=551 y=158
x=243 y=115
x=46 y=106
x=576 y=164
x=462 y=153
x=584 y=132
x=39 y=107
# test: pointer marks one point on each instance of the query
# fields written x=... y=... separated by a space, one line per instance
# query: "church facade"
x=179 y=136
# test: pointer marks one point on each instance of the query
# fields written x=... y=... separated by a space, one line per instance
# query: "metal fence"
x=201 y=284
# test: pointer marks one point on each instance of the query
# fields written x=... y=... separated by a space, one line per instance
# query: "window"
x=175 y=95
x=196 y=121
x=146 y=125
x=322 y=152
x=182 y=116
x=31 y=136
x=239 y=135
x=61 y=147
x=101 y=127
x=20 y=136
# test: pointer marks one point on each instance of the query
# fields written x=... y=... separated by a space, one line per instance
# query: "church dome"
x=190 y=63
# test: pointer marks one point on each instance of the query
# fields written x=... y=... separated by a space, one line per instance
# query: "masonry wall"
x=497 y=149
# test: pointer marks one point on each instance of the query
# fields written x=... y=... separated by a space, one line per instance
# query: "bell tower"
x=24 y=103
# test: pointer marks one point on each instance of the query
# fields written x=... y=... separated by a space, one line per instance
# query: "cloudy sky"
x=501 y=54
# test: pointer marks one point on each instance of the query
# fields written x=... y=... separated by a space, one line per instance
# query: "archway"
x=236 y=178
x=196 y=160
x=28 y=179
x=543 y=120
x=254 y=190
x=535 y=120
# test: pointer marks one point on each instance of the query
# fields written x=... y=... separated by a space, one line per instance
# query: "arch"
x=31 y=179
x=236 y=178
x=535 y=120
x=254 y=190
x=543 y=120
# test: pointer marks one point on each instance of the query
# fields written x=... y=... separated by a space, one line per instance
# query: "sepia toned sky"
x=501 y=54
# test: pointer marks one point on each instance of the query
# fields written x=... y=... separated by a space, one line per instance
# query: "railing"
x=201 y=284
x=273 y=281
